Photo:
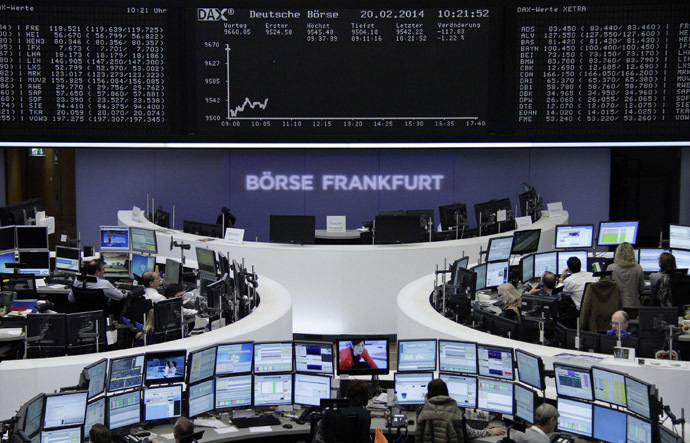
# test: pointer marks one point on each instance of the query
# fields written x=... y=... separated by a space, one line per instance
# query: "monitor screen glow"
x=5 y=258
x=649 y=259
x=609 y=425
x=37 y=262
x=201 y=397
x=67 y=259
x=615 y=233
x=65 y=435
x=272 y=357
x=545 y=261
x=311 y=388
x=682 y=258
x=573 y=381
x=314 y=357
x=144 y=240
x=530 y=369
x=124 y=409
x=497 y=273
x=142 y=263
x=499 y=248
x=639 y=431
x=164 y=367
x=206 y=260
x=234 y=358
x=114 y=238
x=679 y=237
x=575 y=417
x=162 y=402
x=363 y=356
x=417 y=355
x=457 y=357
x=495 y=361
x=202 y=364
x=575 y=236
x=462 y=389
x=495 y=396
x=234 y=391
x=272 y=389
x=609 y=386
x=95 y=413
x=97 y=376
x=481 y=276
x=527 y=268
x=411 y=388
x=126 y=372
x=563 y=257
x=524 y=403
x=116 y=263
x=637 y=395
x=65 y=410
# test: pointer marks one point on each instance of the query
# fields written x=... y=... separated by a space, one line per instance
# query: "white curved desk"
x=340 y=289
x=418 y=319
x=23 y=379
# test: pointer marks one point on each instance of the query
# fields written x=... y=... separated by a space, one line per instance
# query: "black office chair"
x=192 y=438
x=86 y=332
x=45 y=335
x=23 y=284
x=90 y=300
x=339 y=426
x=167 y=317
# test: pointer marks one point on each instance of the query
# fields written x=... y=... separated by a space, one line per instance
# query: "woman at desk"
x=511 y=299
x=628 y=274
x=660 y=282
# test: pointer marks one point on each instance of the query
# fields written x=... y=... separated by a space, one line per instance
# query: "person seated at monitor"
x=356 y=356
x=660 y=282
x=545 y=421
x=99 y=433
x=96 y=268
x=439 y=408
x=628 y=274
x=151 y=282
x=511 y=299
x=620 y=320
x=357 y=392
x=183 y=429
x=229 y=218
x=574 y=280
x=546 y=286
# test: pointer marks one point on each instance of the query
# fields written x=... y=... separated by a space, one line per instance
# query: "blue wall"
x=201 y=181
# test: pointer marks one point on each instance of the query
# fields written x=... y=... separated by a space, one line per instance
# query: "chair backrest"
x=23 y=284
x=340 y=426
x=136 y=309
x=81 y=332
x=46 y=334
x=167 y=315
x=680 y=293
x=90 y=300
x=192 y=437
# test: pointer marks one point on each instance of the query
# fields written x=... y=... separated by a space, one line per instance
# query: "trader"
x=183 y=429
x=574 y=280
x=620 y=319
x=545 y=420
x=96 y=268
x=547 y=285
x=152 y=281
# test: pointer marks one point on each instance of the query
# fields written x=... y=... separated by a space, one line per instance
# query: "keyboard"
x=476 y=424
x=259 y=420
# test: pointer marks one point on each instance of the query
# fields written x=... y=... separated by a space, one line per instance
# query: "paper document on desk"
x=226 y=430
x=257 y=429
x=209 y=423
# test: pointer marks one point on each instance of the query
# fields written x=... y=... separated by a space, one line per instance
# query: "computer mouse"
x=287 y=426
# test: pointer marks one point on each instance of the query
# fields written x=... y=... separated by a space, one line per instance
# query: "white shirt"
x=108 y=289
x=574 y=286
x=153 y=295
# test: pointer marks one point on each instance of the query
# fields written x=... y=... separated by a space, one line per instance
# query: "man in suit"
x=545 y=421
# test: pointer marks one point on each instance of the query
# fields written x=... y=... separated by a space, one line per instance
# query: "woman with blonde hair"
x=511 y=299
x=628 y=274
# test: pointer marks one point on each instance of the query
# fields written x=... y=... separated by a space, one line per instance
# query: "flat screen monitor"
x=480 y=270
x=487 y=213
x=609 y=425
x=272 y=389
x=530 y=369
x=453 y=215
x=679 y=237
x=37 y=262
x=392 y=229
x=563 y=257
x=236 y=358
x=272 y=357
x=297 y=229
x=649 y=258
x=497 y=273
x=142 y=263
x=668 y=436
x=5 y=259
x=164 y=367
x=234 y=391
x=460 y=263
x=495 y=396
x=309 y=389
x=96 y=374
x=144 y=240
x=202 y=364
x=206 y=260
x=527 y=268
x=495 y=361
x=205 y=280
x=574 y=417
x=7 y=238
x=530 y=202
x=173 y=272
x=614 y=233
x=32 y=237
x=124 y=409
x=525 y=403
x=424 y=216
x=314 y=357
x=609 y=386
x=499 y=249
x=639 y=430
x=192 y=227
x=682 y=258
x=416 y=355
x=65 y=435
x=95 y=413
x=363 y=356
x=33 y=417
x=458 y=357
x=114 y=238
x=162 y=402
x=526 y=241
x=652 y=319
x=411 y=388
x=574 y=236
x=573 y=381
x=462 y=389
x=201 y=397
x=126 y=372
x=116 y=263
x=545 y=261
x=67 y=259
x=638 y=397
x=65 y=409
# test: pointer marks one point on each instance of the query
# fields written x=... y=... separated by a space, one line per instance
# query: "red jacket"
x=346 y=358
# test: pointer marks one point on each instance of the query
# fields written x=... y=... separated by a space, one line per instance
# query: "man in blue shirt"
x=620 y=319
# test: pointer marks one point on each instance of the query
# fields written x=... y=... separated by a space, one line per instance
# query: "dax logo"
x=213 y=14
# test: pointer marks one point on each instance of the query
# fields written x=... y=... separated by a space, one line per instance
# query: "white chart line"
x=232 y=114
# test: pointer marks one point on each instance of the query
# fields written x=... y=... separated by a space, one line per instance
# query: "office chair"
x=86 y=332
x=23 y=284
x=192 y=438
x=45 y=335
x=167 y=317
x=342 y=426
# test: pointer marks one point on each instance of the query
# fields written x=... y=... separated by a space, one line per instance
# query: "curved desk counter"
x=418 y=319
x=340 y=289
x=23 y=379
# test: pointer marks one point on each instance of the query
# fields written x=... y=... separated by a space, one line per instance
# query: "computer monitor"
x=424 y=216
x=499 y=249
x=392 y=229
x=453 y=215
x=272 y=389
x=126 y=372
x=462 y=389
x=655 y=320
x=191 y=227
x=526 y=241
x=116 y=263
x=609 y=424
x=480 y=270
x=525 y=403
x=141 y=264
x=574 y=416
x=573 y=381
x=363 y=356
x=614 y=233
x=495 y=361
x=64 y=435
x=530 y=369
x=574 y=236
x=457 y=357
x=215 y=292
x=37 y=262
x=527 y=268
x=589 y=341
x=271 y=357
x=93 y=378
x=114 y=238
x=668 y=436
x=206 y=260
x=297 y=229
x=234 y=391
x=5 y=259
x=545 y=261
x=65 y=409
x=416 y=355
x=495 y=396
x=202 y=364
x=504 y=327
x=67 y=259
x=201 y=397
x=314 y=357
x=460 y=263
x=497 y=273
x=32 y=237
x=411 y=388
x=639 y=430
x=162 y=402
x=309 y=389
x=124 y=410
x=19 y=213
x=95 y=413
x=7 y=238
x=679 y=236
x=144 y=240
x=563 y=257
x=173 y=272
x=236 y=358
x=649 y=258
x=682 y=258
x=33 y=415
x=486 y=213
x=638 y=396
x=164 y=367
x=205 y=280
x=609 y=386
x=531 y=203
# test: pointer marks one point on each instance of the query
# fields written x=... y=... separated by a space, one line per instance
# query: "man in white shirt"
x=96 y=268
x=574 y=281
x=545 y=421
x=151 y=281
